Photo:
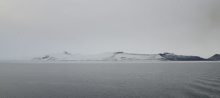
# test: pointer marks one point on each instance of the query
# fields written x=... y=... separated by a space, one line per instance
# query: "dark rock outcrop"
x=65 y=52
x=174 y=57
x=46 y=57
x=215 y=57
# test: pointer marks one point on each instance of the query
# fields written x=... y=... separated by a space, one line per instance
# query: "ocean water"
x=110 y=80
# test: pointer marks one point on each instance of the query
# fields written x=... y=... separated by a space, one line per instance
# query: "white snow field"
x=108 y=56
x=109 y=80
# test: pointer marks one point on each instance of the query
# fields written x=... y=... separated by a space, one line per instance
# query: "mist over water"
x=115 y=80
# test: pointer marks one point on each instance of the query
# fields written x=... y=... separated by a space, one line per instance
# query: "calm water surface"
x=111 y=80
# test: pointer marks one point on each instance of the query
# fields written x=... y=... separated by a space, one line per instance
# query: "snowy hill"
x=121 y=56
x=109 y=56
x=118 y=56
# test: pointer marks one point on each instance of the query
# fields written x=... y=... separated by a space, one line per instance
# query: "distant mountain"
x=121 y=56
x=109 y=56
x=215 y=57
x=174 y=57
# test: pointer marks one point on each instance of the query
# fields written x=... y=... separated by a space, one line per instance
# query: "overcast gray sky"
x=35 y=27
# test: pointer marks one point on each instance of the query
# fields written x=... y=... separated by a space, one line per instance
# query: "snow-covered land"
x=108 y=56
x=121 y=56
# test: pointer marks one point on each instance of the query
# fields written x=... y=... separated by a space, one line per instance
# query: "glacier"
x=122 y=56
x=108 y=56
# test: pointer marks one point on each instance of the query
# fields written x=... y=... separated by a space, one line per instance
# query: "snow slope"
x=130 y=56
x=108 y=56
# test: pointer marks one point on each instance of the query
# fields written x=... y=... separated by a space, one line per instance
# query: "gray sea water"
x=110 y=80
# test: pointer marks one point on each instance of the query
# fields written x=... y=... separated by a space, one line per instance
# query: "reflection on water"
x=116 y=80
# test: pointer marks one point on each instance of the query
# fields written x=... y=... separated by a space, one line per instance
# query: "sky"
x=37 y=27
